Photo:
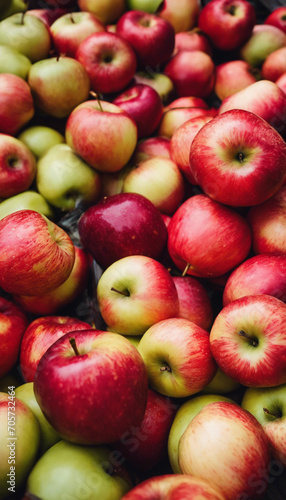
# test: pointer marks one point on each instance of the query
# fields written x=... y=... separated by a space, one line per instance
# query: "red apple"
x=264 y=39
x=233 y=76
x=194 y=39
x=277 y=18
x=187 y=102
x=174 y=117
x=274 y=65
x=150 y=147
x=16 y=103
x=281 y=82
x=194 y=301
x=13 y=325
x=47 y=15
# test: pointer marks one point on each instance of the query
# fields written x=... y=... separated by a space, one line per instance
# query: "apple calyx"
x=121 y=292
x=165 y=368
x=74 y=346
x=72 y=19
x=252 y=340
x=231 y=10
x=271 y=413
x=240 y=157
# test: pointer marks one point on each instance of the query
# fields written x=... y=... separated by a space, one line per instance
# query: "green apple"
x=19 y=442
x=12 y=61
x=69 y=471
x=264 y=40
x=64 y=179
x=10 y=7
x=221 y=384
x=48 y=435
x=183 y=417
x=158 y=81
x=28 y=200
x=145 y=5
x=268 y=405
x=40 y=138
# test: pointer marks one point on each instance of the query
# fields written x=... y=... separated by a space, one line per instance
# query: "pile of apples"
x=142 y=250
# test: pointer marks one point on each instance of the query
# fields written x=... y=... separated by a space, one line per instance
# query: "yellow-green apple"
x=144 y=105
x=40 y=138
x=145 y=5
x=227 y=23
x=182 y=19
x=48 y=435
x=26 y=33
x=264 y=39
x=224 y=155
x=152 y=146
x=93 y=126
x=194 y=39
x=268 y=224
x=30 y=200
x=184 y=415
x=65 y=180
x=152 y=37
x=261 y=274
x=277 y=18
x=19 y=443
x=16 y=103
x=40 y=335
x=58 y=85
x=223 y=440
x=13 y=62
x=175 y=117
x=17 y=166
x=120 y=225
x=86 y=471
x=158 y=179
x=69 y=30
x=192 y=73
x=207 y=238
x=173 y=487
x=178 y=357
x=194 y=301
x=248 y=340
x=221 y=384
x=107 y=11
x=232 y=76
x=37 y=255
x=281 y=82
x=69 y=381
x=158 y=81
x=13 y=325
x=11 y=7
x=268 y=405
x=109 y=61
x=274 y=65
x=145 y=446
x=134 y=293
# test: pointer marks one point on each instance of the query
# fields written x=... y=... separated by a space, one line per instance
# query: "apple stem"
x=165 y=368
x=71 y=18
x=231 y=10
x=254 y=342
x=74 y=346
x=126 y=294
x=186 y=270
x=95 y=94
x=22 y=18
x=272 y=414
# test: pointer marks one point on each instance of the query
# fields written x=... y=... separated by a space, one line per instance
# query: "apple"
x=48 y=15
x=121 y=225
x=40 y=335
x=30 y=200
x=58 y=85
x=267 y=223
x=221 y=384
x=194 y=39
x=274 y=65
x=247 y=340
x=92 y=128
x=178 y=357
x=152 y=37
x=75 y=369
x=281 y=82
x=264 y=39
x=109 y=61
x=40 y=138
x=144 y=105
x=261 y=274
x=225 y=441
x=13 y=323
x=13 y=62
x=107 y=11
x=158 y=81
x=17 y=166
x=233 y=76
x=145 y=5
x=194 y=301
x=150 y=147
x=69 y=30
x=26 y=33
x=206 y=238
x=187 y=102
x=234 y=149
x=136 y=292
x=175 y=117
x=268 y=407
x=48 y=436
x=11 y=7
x=277 y=18
x=184 y=415
x=37 y=255
x=182 y=19
x=16 y=103
x=19 y=443
x=85 y=470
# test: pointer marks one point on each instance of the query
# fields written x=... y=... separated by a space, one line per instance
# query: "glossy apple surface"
x=194 y=301
x=13 y=325
x=16 y=103
x=182 y=19
x=27 y=200
x=12 y=61
x=40 y=138
x=277 y=18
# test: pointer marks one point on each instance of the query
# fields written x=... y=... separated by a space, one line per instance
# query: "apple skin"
x=40 y=335
x=182 y=19
x=281 y=82
x=86 y=470
x=13 y=325
x=267 y=223
x=107 y=11
x=106 y=360
x=121 y=225
x=12 y=61
x=40 y=138
x=224 y=154
x=264 y=39
x=150 y=147
x=158 y=81
x=90 y=131
x=37 y=256
x=144 y=105
x=152 y=295
x=194 y=301
x=173 y=487
x=145 y=5
x=30 y=200
x=277 y=18
x=233 y=76
x=175 y=117
x=109 y=61
x=274 y=65
x=248 y=340
x=178 y=357
x=17 y=166
x=209 y=442
x=152 y=37
x=47 y=15
x=261 y=274
x=16 y=103
x=201 y=224
x=221 y=384
x=194 y=39
x=268 y=406
x=12 y=7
